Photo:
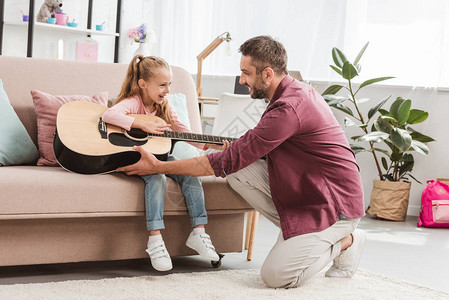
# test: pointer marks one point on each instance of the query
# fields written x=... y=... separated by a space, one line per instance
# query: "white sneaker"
x=160 y=259
x=202 y=244
x=345 y=265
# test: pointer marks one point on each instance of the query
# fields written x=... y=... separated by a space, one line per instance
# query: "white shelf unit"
x=31 y=25
x=64 y=28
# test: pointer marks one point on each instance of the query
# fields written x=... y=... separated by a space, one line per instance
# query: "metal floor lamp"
x=226 y=36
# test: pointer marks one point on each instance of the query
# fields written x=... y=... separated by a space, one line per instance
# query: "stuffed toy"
x=48 y=10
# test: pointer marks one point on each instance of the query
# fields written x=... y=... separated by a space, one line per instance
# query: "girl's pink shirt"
x=118 y=115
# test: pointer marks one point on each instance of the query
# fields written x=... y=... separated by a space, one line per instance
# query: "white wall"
x=433 y=166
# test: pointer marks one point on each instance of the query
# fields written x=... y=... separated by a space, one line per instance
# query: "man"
x=309 y=185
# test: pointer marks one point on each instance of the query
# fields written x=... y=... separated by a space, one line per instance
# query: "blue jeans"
x=192 y=189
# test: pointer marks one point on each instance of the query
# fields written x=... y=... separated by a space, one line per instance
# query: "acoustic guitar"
x=85 y=144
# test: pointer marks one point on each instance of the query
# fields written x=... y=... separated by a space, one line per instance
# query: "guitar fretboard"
x=193 y=137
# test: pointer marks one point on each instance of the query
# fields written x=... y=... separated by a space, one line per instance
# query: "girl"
x=143 y=92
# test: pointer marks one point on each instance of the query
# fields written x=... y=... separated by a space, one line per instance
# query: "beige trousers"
x=295 y=260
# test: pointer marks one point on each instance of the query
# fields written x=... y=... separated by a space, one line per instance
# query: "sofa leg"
x=255 y=219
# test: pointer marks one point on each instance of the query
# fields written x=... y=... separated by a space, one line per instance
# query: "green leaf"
x=357 y=148
x=333 y=100
x=396 y=156
x=348 y=122
x=344 y=108
x=374 y=80
x=375 y=137
x=355 y=137
x=362 y=100
x=406 y=167
x=388 y=118
x=415 y=179
x=335 y=69
x=404 y=111
x=333 y=89
x=385 y=164
x=383 y=126
x=349 y=71
x=382 y=151
x=388 y=176
x=395 y=106
x=338 y=57
x=359 y=56
x=417 y=136
x=417 y=116
x=374 y=109
x=384 y=112
x=390 y=145
x=401 y=139
x=407 y=157
x=420 y=147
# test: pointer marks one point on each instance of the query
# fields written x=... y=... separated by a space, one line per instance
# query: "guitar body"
x=86 y=145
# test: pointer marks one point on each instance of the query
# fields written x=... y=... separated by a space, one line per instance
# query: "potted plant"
x=390 y=127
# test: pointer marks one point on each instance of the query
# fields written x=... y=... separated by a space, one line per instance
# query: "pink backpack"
x=434 y=210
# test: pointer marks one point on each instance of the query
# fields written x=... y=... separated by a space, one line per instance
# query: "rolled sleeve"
x=216 y=164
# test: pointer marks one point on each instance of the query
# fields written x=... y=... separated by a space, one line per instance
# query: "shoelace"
x=205 y=238
x=158 y=248
x=337 y=261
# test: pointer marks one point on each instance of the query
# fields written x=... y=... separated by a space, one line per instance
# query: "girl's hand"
x=225 y=145
x=153 y=127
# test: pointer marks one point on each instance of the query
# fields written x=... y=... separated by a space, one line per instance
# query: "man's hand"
x=147 y=164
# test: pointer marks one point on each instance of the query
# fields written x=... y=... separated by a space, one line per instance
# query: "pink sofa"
x=49 y=215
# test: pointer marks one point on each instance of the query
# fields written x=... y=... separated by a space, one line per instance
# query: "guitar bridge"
x=102 y=129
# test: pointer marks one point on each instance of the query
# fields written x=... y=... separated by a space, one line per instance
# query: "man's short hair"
x=265 y=52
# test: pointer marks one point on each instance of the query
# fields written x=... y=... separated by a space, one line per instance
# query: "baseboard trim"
x=413 y=210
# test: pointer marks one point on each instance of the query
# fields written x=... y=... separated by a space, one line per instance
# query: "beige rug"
x=228 y=284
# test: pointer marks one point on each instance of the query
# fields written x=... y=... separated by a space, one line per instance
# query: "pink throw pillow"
x=46 y=107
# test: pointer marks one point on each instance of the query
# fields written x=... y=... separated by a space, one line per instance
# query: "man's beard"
x=259 y=90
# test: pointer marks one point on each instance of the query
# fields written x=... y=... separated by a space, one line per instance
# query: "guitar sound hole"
x=137 y=133
x=120 y=139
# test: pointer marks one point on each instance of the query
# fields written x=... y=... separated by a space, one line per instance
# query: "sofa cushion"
x=56 y=192
x=16 y=146
x=178 y=102
x=182 y=150
x=46 y=107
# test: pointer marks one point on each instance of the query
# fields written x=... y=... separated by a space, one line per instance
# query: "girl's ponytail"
x=130 y=86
